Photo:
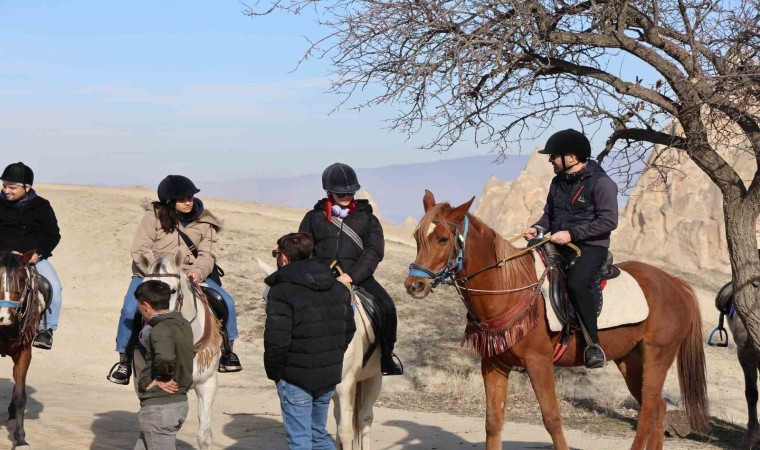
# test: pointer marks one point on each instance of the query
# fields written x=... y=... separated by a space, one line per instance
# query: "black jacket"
x=332 y=243
x=28 y=225
x=584 y=204
x=309 y=324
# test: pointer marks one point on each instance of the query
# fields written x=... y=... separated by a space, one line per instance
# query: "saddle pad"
x=624 y=301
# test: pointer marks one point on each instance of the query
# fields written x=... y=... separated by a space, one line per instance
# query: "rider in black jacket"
x=581 y=208
x=345 y=230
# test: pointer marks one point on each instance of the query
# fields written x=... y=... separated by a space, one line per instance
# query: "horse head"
x=440 y=236
x=168 y=269
x=13 y=279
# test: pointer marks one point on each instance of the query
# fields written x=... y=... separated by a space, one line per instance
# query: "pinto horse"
x=189 y=299
x=454 y=246
x=20 y=312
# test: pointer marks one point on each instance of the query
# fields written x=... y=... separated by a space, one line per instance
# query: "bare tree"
x=684 y=74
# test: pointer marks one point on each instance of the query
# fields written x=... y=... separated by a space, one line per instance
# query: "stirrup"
x=393 y=359
x=113 y=370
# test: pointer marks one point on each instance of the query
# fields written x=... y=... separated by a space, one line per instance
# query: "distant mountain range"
x=397 y=190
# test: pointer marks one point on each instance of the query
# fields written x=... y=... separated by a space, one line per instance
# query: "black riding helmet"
x=341 y=179
x=568 y=141
x=18 y=173
x=175 y=186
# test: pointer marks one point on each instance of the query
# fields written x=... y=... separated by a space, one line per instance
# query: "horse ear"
x=143 y=263
x=266 y=268
x=179 y=257
x=461 y=210
x=428 y=200
x=27 y=256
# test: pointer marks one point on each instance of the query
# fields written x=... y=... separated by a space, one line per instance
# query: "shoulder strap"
x=188 y=242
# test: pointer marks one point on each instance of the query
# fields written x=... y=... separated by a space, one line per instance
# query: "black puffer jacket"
x=584 y=204
x=28 y=225
x=309 y=324
x=332 y=243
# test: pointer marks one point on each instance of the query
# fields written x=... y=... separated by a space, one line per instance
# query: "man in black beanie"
x=581 y=208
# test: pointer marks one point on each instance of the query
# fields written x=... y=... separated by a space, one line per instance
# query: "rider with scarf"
x=344 y=230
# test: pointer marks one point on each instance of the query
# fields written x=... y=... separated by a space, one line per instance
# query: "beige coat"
x=152 y=242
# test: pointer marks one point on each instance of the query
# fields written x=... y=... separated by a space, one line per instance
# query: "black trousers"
x=580 y=283
x=388 y=338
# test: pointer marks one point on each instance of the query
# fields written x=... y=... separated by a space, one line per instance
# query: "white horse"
x=207 y=336
x=360 y=386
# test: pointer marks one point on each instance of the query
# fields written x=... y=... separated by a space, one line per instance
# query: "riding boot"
x=594 y=357
x=388 y=364
x=121 y=371
x=229 y=361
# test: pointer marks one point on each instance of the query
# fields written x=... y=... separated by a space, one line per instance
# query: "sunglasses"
x=343 y=195
x=276 y=253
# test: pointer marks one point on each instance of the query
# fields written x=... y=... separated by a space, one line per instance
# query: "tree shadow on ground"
x=33 y=407
x=427 y=437
x=725 y=434
x=256 y=431
x=119 y=429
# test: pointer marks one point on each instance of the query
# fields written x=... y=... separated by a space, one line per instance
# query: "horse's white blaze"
x=5 y=315
x=431 y=228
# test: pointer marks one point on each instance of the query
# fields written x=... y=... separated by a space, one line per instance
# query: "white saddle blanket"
x=624 y=301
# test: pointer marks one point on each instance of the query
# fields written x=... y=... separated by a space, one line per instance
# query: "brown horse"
x=507 y=317
x=20 y=311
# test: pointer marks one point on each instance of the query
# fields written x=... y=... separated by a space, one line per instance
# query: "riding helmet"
x=18 y=173
x=341 y=179
x=568 y=141
x=175 y=186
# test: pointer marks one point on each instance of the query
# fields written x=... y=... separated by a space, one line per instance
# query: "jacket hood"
x=172 y=315
x=199 y=211
x=311 y=273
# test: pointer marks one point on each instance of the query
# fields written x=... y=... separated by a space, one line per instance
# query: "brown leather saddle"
x=558 y=297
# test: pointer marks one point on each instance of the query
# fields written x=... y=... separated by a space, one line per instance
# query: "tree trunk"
x=741 y=220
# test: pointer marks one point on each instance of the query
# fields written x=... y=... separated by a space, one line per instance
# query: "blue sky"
x=124 y=93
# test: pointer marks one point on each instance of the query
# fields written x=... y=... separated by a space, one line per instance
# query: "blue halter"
x=453 y=265
x=9 y=304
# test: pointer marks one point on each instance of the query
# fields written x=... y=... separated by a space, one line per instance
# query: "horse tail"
x=691 y=370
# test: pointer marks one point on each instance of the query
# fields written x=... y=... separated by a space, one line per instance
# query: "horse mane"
x=516 y=272
x=27 y=329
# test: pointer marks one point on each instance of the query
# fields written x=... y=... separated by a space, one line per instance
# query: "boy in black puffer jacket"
x=309 y=324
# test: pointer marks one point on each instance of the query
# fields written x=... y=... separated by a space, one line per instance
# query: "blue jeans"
x=48 y=271
x=304 y=414
x=129 y=309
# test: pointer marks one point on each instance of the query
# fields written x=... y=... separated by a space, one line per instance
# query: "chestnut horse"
x=507 y=313
x=20 y=312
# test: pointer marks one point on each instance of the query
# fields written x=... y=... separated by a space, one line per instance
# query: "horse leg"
x=370 y=390
x=541 y=373
x=749 y=361
x=345 y=395
x=206 y=392
x=496 y=381
x=21 y=363
x=656 y=361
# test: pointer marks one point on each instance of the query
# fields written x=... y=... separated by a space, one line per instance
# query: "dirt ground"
x=438 y=404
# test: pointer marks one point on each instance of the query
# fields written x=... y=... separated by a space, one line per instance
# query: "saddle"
x=557 y=266
x=46 y=289
x=376 y=315
x=219 y=308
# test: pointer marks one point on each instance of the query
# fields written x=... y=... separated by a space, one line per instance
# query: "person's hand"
x=170 y=387
x=561 y=237
x=194 y=276
x=345 y=278
x=530 y=233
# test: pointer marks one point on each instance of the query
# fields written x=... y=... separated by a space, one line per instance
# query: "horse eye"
x=174 y=291
x=443 y=240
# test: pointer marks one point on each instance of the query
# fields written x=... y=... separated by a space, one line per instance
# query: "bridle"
x=456 y=258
